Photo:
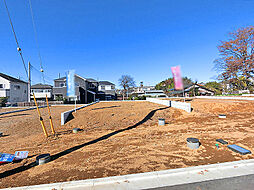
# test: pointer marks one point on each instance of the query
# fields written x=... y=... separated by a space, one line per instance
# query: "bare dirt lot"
x=123 y=138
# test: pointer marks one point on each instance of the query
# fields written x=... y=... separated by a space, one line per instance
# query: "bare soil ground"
x=123 y=138
x=7 y=109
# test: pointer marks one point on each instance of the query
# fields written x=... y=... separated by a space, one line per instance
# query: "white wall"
x=107 y=87
x=6 y=86
x=42 y=94
x=3 y=93
x=6 y=83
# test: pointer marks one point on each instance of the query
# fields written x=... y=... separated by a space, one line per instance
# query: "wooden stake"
x=50 y=118
x=41 y=120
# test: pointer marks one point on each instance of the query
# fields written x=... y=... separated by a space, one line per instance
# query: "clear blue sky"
x=104 y=39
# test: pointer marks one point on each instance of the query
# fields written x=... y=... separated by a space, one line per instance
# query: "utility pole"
x=29 y=82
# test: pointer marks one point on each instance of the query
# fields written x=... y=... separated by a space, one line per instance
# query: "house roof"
x=172 y=91
x=91 y=80
x=41 y=86
x=105 y=83
x=12 y=79
x=185 y=86
x=88 y=79
x=202 y=86
x=62 y=78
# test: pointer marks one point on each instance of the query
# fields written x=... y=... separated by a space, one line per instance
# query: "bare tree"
x=236 y=62
x=126 y=81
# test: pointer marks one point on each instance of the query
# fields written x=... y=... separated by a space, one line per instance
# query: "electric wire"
x=50 y=79
x=36 y=39
x=18 y=47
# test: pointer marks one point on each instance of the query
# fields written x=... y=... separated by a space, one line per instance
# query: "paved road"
x=245 y=182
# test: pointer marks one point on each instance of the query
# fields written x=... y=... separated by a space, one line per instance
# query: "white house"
x=40 y=91
x=14 y=89
x=106 y=91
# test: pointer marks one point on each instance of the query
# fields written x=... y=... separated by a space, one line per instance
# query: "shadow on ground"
x=13 y=115
x=70 y=150
x=105 y=107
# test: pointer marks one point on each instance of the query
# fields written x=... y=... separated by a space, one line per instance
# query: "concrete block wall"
x=66 y=114
x=158 y=101
x=180 y=105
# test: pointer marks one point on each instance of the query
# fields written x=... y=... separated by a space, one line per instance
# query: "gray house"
x=106 y=91
x=85 y=89
x=14 y=89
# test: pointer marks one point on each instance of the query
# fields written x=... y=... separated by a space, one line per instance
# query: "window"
x=1 y=85
x=16 y=87
x=91 y=85
x=62 y=84
x=108 y=87
x=102 y=87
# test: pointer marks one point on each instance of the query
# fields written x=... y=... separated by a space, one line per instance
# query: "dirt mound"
x=221 y=106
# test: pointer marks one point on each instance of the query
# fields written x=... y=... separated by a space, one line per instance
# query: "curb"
x=157 y=179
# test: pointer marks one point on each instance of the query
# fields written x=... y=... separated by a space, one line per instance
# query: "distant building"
x=41 y=90
x=142 y=89
x=85 y=89
x=14 y=89
x=148 y=91
x=154 y=93
x=192 y=90
x=106 y=91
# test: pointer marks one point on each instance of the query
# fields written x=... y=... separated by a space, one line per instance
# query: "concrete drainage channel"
x=66 y=115
x=165 y=178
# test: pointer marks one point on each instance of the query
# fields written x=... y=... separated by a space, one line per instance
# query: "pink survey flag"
x=177 y=77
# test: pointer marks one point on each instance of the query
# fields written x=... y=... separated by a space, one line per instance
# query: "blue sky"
x=104 y=39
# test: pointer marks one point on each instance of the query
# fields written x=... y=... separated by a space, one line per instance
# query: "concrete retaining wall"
x=15 y=111
x=65 y=115
x=180 y=105
x=158 y=101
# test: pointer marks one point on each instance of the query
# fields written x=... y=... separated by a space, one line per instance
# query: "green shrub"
x=3 y=101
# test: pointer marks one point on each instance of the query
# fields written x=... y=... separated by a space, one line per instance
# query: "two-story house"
x=14 y=89
x=85 y=89
x=40 y=91
x=106 y=91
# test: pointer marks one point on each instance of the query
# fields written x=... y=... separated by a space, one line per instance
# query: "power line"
x=18 y=48
x=36 y=39
x=50 y=79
